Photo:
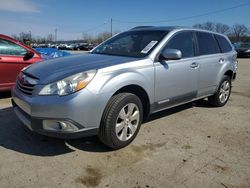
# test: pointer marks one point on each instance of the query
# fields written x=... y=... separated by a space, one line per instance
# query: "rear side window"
x=207 y=43
x=224 y=44
x=183 y=42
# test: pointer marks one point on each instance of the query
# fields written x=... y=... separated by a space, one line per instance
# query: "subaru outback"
x=109 y=91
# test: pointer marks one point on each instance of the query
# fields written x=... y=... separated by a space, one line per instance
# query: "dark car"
x=243 y=49
x=14 y=56
x=84 y=46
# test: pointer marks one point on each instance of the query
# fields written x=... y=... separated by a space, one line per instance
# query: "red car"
x=14 y=56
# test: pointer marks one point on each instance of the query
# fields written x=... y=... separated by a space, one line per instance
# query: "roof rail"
x=141 y=27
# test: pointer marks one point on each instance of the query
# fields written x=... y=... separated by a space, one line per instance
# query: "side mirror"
x=28 y=56
x=171 y=54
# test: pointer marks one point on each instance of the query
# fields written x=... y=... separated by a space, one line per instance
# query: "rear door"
x=176 y=81
x=11 y=62
x=226 y=49
x=211 y=61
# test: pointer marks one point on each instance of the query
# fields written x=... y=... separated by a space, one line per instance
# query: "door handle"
x=194 y=65
x=221 y=60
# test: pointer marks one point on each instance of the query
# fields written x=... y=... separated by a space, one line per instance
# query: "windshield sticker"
x=149 y=47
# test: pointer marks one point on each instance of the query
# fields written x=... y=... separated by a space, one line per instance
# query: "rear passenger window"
x=183 y=42
x=207 y=44
x=224 y=44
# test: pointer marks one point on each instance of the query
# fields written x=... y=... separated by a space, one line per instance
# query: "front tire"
x=121 y=120
x=222 y=94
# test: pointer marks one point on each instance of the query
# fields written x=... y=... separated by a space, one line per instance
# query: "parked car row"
x=64 y=46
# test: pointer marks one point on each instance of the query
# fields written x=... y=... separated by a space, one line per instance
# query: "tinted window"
x=131 y=43
x=9 y=48
x=207 y=44
x=244 y=45
x=224 y=44
x=183 y=42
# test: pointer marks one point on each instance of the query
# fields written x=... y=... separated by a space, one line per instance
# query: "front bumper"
x=80 y=109
x=36 y=125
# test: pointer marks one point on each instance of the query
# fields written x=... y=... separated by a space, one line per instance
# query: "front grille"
x=26 y=83
x=25 y=88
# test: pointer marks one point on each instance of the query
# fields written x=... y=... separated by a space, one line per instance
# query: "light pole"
x=111 y=27
x=104 y=31
x=55 y=35
x=30 y=36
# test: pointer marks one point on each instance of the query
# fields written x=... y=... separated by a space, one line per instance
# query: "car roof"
x=17 y=42
x=8 y=38
x=157 y=28
x=171 y=28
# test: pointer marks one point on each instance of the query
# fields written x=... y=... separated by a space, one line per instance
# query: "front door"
x=176 y=81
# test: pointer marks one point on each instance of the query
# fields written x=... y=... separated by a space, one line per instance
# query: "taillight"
x=235 y=61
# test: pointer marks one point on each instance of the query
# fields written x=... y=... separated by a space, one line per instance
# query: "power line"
x=187 y=17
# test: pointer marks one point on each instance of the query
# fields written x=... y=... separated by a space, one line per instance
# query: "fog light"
x=56 y=125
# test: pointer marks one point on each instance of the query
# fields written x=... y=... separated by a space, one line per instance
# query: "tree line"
x=236 y=33
x=27 y=37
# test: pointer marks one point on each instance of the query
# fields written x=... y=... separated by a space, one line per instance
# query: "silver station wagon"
x=108 y=91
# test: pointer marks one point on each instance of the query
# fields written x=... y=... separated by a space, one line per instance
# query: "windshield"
x=131 y=43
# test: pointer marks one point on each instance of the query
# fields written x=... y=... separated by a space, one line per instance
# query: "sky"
x=74 y=18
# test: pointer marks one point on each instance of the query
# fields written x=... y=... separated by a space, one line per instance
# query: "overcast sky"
x=72 y=18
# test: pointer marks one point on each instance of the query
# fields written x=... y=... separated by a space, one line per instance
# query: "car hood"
x=57 y=69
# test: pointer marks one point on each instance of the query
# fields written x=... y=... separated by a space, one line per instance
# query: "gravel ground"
x=193 y=145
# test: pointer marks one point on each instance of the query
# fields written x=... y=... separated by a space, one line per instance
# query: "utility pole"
x=111 y=27
x=30 y=36
x=55 y=35
x=30 y=40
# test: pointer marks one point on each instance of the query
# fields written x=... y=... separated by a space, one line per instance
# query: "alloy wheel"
x=127 y=121
x=224 y=91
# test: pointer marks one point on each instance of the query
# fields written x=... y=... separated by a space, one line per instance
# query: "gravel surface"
x=193 y=145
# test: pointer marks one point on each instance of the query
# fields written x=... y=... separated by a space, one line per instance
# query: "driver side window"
x=9 y=48
x=184 y=42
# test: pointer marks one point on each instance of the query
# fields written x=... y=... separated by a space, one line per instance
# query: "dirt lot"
x=193 y=145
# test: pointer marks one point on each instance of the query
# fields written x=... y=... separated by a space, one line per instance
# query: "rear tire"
x=121 y=120
x=222 y=94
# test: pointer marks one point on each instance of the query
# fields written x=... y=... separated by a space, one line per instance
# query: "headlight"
x=248 y=50
x=69 y=85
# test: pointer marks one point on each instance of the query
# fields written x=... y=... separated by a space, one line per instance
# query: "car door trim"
x=174 y=100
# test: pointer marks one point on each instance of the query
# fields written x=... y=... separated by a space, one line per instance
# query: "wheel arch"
x=229 y=73
x=141 y=93
x=225 y=70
